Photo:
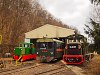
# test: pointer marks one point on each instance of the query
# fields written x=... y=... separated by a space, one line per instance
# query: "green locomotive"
x=24 y=52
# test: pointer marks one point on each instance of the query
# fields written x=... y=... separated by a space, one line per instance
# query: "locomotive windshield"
x=45 y=45
x=73 y=49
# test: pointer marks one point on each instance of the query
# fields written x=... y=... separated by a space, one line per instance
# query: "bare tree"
x=20 y=16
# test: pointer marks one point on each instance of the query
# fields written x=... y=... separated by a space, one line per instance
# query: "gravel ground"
x=46 y=69
x=53 y=68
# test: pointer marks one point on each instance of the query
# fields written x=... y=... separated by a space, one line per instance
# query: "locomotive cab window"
x=50 y=45
x=42 y=45
x=45 y=45
x=58 y=45
x=26 y=45
x=21 y=45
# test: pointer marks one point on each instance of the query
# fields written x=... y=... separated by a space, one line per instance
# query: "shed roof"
x=48 y=40
x=49 y=31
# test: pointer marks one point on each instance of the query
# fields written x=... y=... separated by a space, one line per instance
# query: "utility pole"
x=0 y=39
x=0 y=46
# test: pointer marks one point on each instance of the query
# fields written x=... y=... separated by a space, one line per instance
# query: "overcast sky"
x=71 y=12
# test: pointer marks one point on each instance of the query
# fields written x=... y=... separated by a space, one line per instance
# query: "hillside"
x=20 y=16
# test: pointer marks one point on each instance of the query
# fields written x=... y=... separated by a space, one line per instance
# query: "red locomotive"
x=75 y=49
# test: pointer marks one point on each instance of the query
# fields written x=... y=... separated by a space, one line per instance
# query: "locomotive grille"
x=73 y=59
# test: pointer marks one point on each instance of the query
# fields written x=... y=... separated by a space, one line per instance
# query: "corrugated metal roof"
x=49 y=31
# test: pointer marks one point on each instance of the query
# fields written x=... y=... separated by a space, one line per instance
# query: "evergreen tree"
x=95 y=2
x=93 y=28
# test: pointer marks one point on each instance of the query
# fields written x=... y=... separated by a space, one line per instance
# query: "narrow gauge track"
x=60 y=69
x=52 y=71
x=55 y=69
x=15 y=70
x=13 y=67
x=10 y=71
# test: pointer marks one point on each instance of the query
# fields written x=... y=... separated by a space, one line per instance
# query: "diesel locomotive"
x=75 y=49
x=48 y=50
x=24 y=52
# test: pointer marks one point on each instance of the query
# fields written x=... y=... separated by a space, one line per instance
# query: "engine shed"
x=48 y=31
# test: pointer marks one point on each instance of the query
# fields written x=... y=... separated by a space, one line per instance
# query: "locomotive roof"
x=78 y=36
x=74 y=43
x=25 y=43
x=49 y=40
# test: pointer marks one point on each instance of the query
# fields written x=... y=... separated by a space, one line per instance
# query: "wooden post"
x=0 y=39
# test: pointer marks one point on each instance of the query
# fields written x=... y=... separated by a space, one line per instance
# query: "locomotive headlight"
x=37 y=52
x=76 y=58
x=72 y=59
x=51 y=52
